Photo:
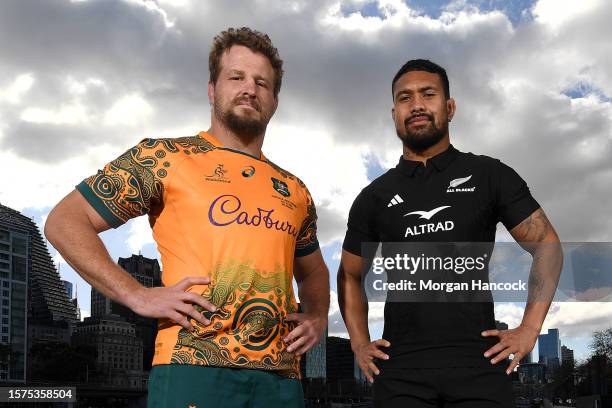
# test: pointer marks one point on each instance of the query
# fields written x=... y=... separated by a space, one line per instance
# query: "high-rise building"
x=501 y=325
x=532 y=373
x=148 y=273
x=314 y=360
x=567 y=356
x=32 y=292
x=340 y=361
x=528 y=359
x=119 y=350
x=549 y=349
x=75 y=302
x=68 y=286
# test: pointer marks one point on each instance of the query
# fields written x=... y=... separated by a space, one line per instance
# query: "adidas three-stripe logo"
x=395 y=200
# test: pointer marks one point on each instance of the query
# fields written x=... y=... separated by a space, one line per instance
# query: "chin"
x=247 y=113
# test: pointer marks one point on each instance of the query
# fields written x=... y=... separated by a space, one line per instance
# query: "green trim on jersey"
x=186 y=385
x=98 y=205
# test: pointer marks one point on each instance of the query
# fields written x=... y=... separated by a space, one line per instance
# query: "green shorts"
x=187 y=385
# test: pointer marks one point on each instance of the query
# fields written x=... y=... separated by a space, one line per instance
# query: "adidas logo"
x=395 y=201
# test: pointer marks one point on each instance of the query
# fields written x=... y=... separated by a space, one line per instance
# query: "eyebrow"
x=421 y=89
x=239 y=72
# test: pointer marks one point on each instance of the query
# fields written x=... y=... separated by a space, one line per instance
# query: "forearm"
x=313 y=291
x=354 y=308
x=78 y=243
x=543 y=281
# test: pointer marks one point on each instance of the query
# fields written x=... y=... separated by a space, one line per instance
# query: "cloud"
x=140 y=234
x=14 y=91
x=336 y=326
x=509 y=313
x=95 y=77
x=579 y=319
x=555 y=13
x=139 y=69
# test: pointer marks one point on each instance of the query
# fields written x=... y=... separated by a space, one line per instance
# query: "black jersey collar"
x=439 y=161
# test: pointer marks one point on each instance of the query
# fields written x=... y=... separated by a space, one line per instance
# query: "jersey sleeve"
x=361 y=227
x=514 y=200
x=307 y=241
x=129 y=186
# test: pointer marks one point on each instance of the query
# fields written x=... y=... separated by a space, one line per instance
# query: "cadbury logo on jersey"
x=428 y=228
x=226 y=210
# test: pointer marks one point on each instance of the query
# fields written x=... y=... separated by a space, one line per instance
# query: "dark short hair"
x=423 y=65
x=255 y=41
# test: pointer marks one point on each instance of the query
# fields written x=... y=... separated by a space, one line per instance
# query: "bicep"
x=351 y=266
x=76 y=208
x=306 y=265
x=535 y=228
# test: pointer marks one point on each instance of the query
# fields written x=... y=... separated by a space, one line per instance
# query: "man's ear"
x=275 y=105
x=211 y=92
x=393 y=114
x=451 y=107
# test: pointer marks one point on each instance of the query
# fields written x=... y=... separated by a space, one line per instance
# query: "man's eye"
x=261 y=83
x=429 y=94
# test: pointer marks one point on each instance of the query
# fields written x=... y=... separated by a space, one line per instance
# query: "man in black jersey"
x=442 y=354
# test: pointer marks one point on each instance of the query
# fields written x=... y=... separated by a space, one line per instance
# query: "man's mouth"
x=247 y=104
x=419 y=119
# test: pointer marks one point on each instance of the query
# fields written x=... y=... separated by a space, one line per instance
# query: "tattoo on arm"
x=547 y=256
x=533 y=229
x=536 y=280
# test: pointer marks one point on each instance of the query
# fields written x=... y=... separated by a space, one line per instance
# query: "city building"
x=340 y=361
x=120 y=356
x=567 y=356
x=68 y=286
x=148 y=273
x=32 y=292
x=501 y=325
x=549 y=349
x=314 y=361
x=527 y=359
x=532 y=373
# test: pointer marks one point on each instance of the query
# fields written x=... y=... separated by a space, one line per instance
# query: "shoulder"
x=287 y=176
x=479 y=159
x=490 y=167
x=379 y=186
x=156 y=158
x=178 y=145
x=294 y=185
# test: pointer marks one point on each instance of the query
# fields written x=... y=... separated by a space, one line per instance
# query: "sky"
x=82 y=81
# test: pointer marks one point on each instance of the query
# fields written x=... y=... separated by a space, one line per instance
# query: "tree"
x=601 y=345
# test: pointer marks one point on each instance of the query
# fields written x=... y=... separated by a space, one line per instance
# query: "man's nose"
x=417 y=104
x=249 y=87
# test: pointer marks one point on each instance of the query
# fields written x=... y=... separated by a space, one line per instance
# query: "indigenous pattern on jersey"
x=224 y=214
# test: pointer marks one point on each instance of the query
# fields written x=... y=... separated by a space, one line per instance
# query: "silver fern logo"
x=452 y=186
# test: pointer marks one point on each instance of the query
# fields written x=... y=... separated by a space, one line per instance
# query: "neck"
x=428 y=153
x=232 y=140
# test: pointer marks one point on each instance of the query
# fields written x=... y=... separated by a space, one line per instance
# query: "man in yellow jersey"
x=232 y=228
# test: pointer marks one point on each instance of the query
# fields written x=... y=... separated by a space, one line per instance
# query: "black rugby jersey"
x=456 y=197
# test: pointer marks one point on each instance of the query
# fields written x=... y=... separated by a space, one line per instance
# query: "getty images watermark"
x=464 y=272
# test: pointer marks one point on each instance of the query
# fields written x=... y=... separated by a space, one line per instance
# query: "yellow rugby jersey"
x=220 y=213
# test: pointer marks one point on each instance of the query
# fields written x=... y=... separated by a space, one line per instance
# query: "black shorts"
x=452 y=387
